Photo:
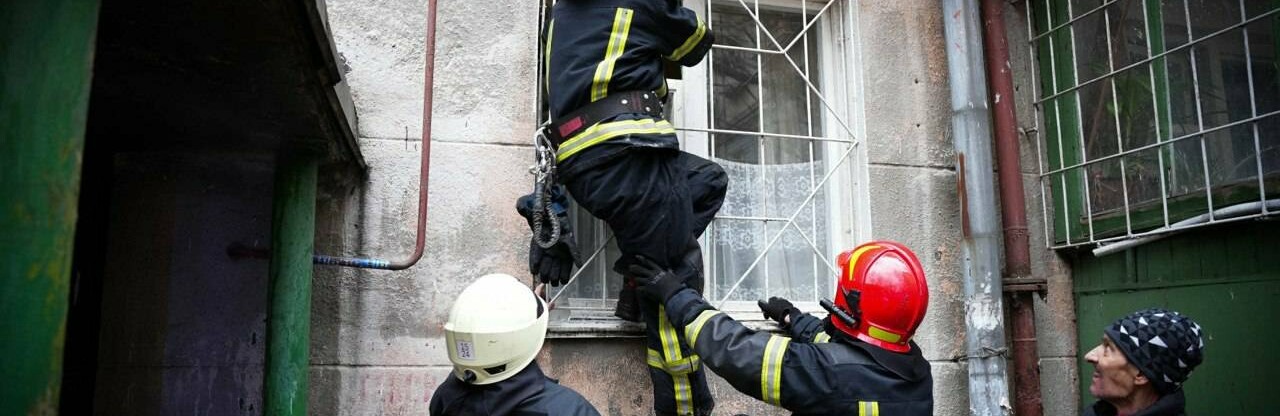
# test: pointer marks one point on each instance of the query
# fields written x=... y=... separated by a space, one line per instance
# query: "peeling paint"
x=983 y=312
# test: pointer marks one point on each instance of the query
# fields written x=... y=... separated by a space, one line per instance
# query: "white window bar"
x=1162 y=54
x=1211 y=214
x=1037 y=111
x=1057 y=114
x=1084 y=154
x=1070 y=21
x=803 y=37
x=1195 y=86
x=1253 y=109
x=1166 y=142
x=1155 y=104
x=1124 y=176
x=761 y=155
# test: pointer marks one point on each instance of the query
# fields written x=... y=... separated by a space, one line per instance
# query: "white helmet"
x=495 y=329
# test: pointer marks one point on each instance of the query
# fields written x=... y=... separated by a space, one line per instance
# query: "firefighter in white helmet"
x=495 y=329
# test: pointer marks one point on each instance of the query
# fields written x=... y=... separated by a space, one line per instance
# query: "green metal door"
x=1226 y=278
x=46 y=52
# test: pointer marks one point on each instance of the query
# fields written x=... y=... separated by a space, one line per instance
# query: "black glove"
x=654 y=282
x=779 y=309
x=553 y=265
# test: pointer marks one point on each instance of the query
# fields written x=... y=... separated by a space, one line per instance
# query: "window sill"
x=599 y=327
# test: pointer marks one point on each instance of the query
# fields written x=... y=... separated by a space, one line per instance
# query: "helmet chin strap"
x=468 y=376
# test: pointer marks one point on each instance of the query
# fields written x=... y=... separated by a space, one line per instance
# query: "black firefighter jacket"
x=804 y=373
x=528 y=393
x=598 y=47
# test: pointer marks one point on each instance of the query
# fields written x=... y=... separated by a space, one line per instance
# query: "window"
x=1152 y=112
x=774 y=115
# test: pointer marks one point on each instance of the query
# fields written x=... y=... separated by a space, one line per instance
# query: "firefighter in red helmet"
x=860 y=359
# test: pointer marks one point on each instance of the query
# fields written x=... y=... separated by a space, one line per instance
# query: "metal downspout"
x=46 y=50
x=424 y=171
x=984 y=326
x=1013 y=212
x=293 y=228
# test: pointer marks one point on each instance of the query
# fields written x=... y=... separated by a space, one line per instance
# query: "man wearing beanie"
x=1142 y=362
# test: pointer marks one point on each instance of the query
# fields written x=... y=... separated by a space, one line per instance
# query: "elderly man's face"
x=1113 y=376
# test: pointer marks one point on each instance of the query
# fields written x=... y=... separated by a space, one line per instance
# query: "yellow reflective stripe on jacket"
x=690 y=43
x=655 y=359
x=546 y=67
x=684 y=365
x=671 y=353
x=617 y=44
x=822 y=337
x=771 y=370
x=692 y=330
x=605 y=131
x=868 y=408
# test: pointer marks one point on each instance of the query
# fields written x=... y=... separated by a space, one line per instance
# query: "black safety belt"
x=643 y=102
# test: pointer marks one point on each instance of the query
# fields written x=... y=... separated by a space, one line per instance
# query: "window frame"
x=1066 y=192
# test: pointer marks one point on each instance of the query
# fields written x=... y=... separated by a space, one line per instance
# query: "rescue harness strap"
x=636 y=102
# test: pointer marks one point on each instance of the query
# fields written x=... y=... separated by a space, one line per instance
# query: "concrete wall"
x=377 y=338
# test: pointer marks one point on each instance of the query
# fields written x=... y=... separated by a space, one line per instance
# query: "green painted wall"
x=46 y=56
x=1227 y=278
x=293 y=228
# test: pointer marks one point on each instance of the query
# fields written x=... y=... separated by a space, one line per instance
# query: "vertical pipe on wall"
x=293 y=222
x=424 y=165
x=971 y=132
x=1013 y=209
x=46 y=57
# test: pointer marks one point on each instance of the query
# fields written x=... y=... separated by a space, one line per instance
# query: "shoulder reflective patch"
x=617 y=44
x=694 y=328
x=868 y=408
x=771 y=370
x=690 y=43
x=821 y=337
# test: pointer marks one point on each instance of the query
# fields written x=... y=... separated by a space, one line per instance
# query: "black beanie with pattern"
x=1163 y=344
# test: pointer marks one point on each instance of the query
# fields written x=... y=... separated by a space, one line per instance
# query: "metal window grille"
x=1154 y=116
x=766 y=104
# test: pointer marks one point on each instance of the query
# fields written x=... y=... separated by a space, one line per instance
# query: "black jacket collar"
x=1168 y=405
x=501 y=398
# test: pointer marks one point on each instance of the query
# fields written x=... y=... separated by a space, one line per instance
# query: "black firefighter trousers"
x=658 y=202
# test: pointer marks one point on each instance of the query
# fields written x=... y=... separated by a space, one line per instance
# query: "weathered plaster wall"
x=377 y=337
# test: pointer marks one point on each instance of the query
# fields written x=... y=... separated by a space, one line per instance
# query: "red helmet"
x=887 y=291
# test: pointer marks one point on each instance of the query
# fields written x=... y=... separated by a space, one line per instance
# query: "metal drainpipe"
x=47 y=47
x=1013 y=211
x=984 y=326
x=424 y=171
x=293 y=229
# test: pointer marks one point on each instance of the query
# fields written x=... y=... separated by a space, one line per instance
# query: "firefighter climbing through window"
x=859 y=360
x=619 y=159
